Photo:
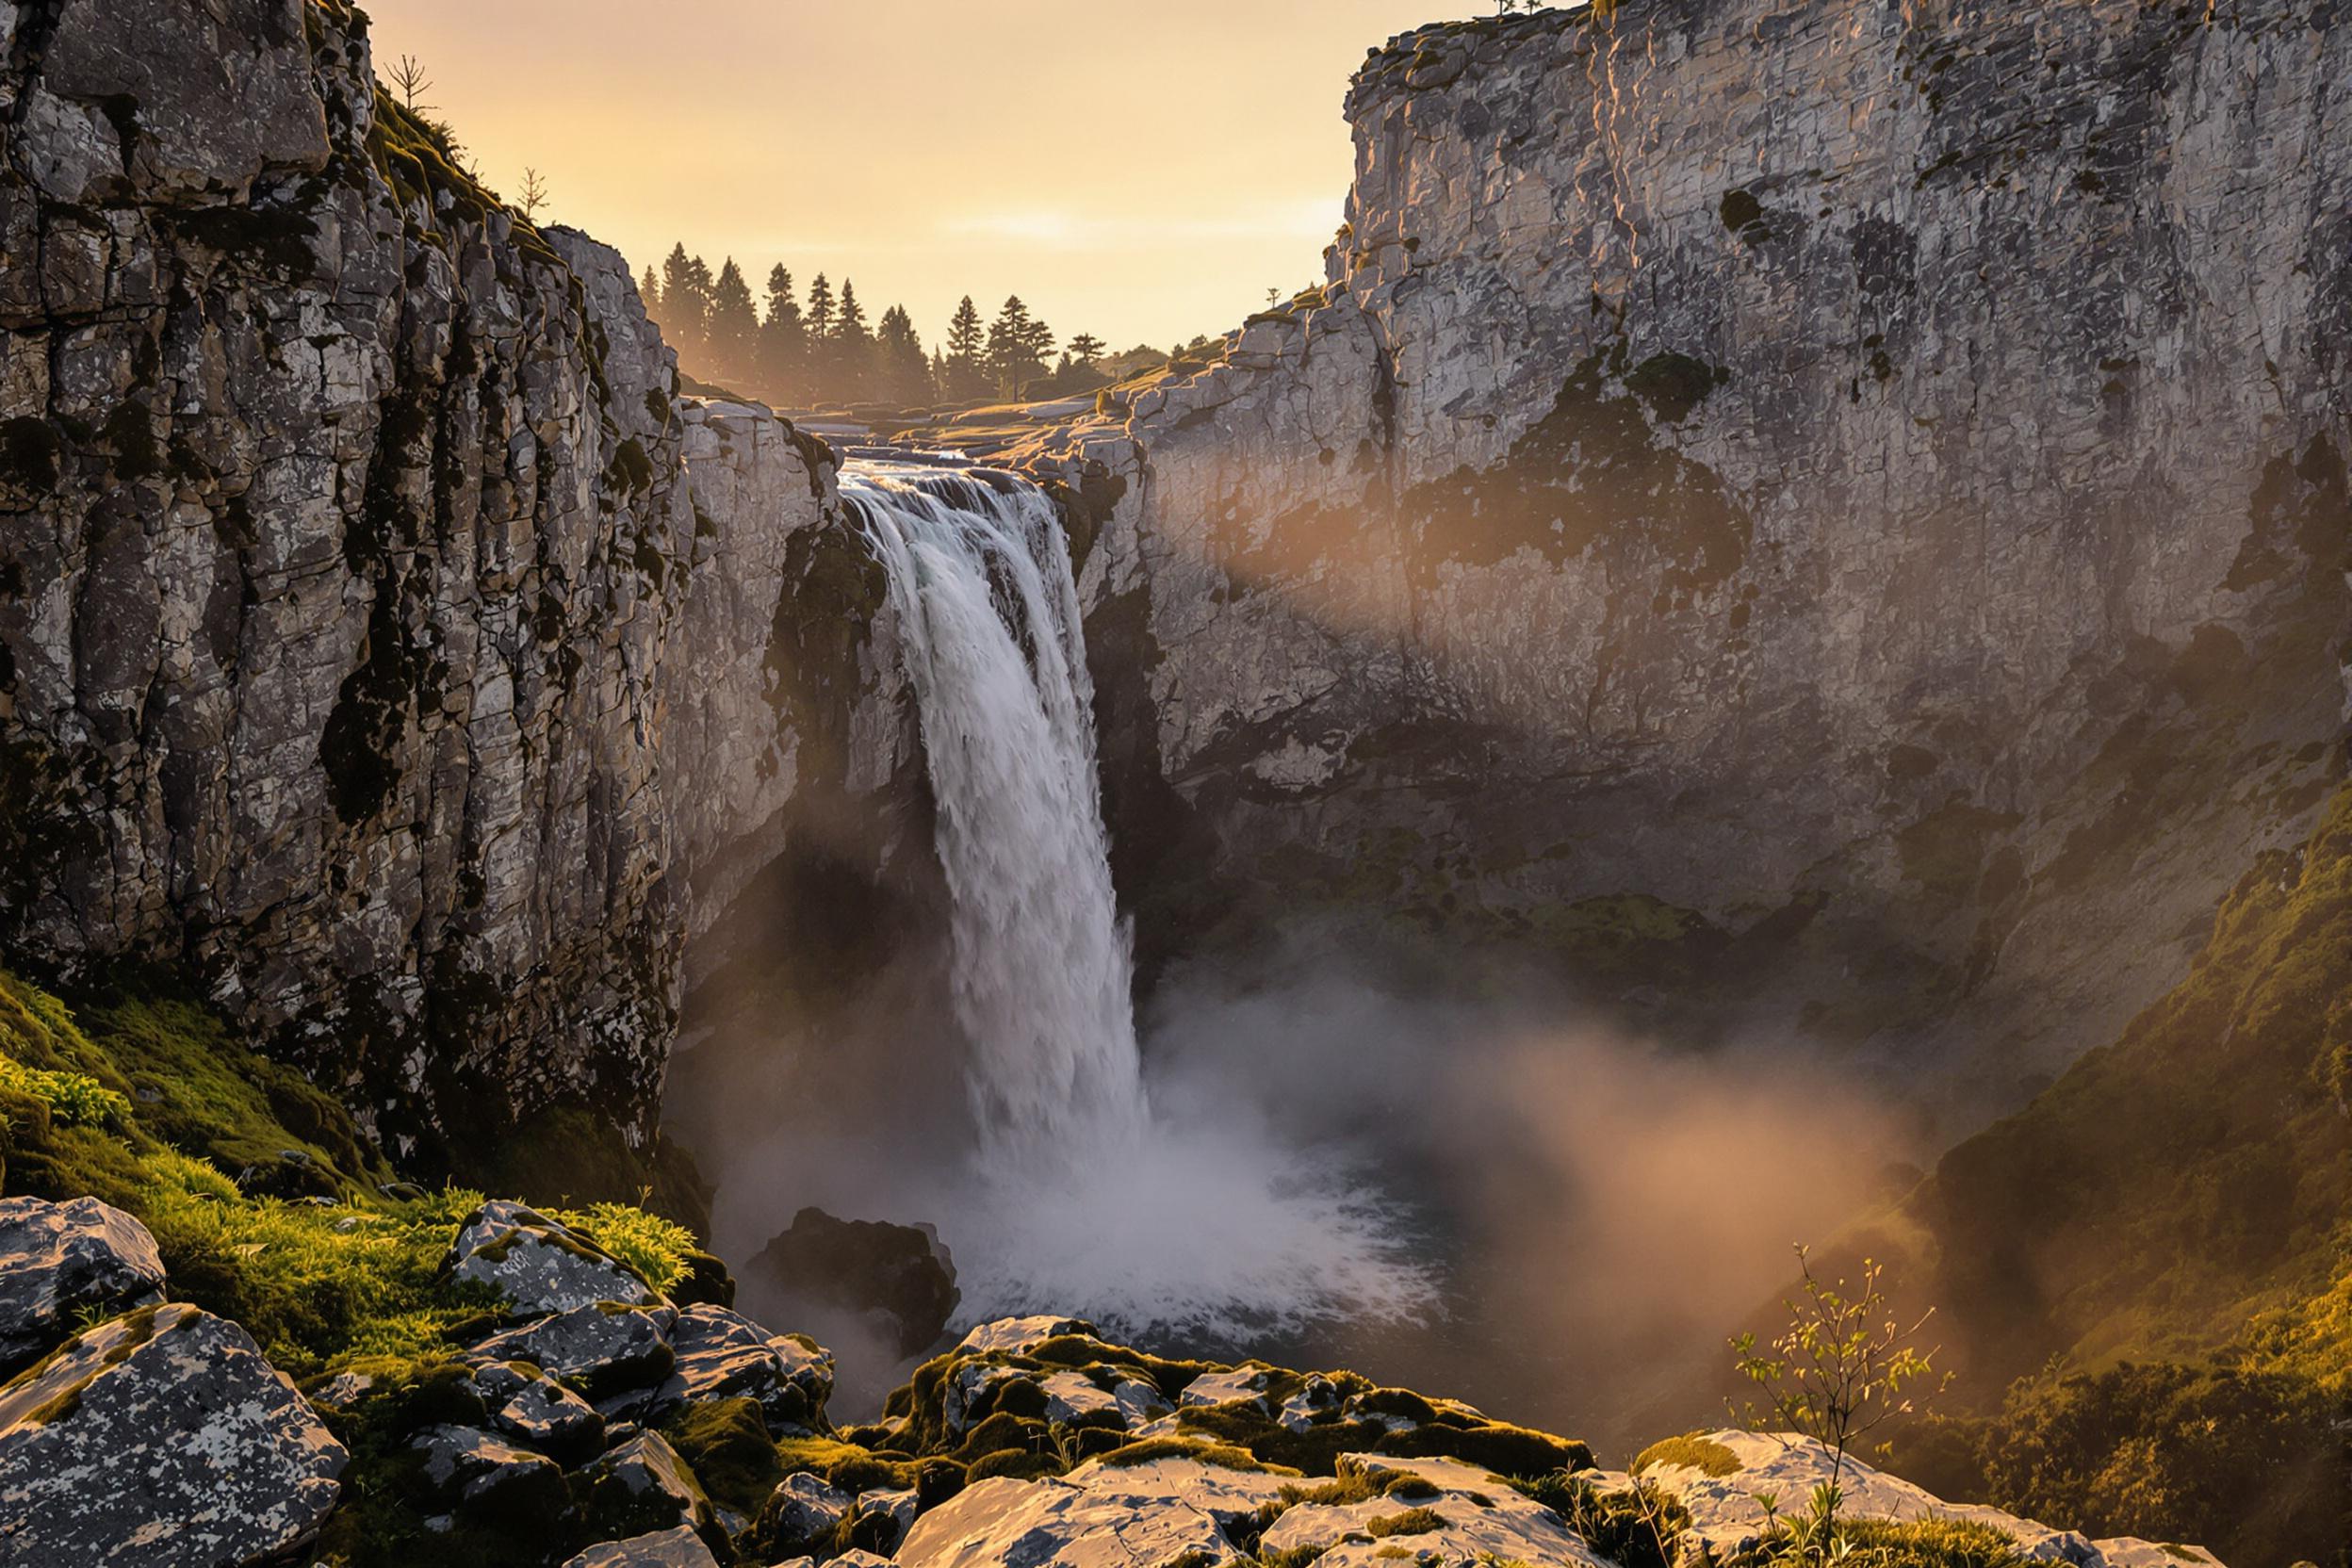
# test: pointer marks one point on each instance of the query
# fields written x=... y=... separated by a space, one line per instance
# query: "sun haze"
x=1140 y=171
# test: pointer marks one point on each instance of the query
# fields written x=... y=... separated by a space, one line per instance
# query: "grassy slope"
x=2144 y=1277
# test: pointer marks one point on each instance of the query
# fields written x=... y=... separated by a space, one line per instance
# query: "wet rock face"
x=60 y=1260
x=898 y=1277
x=1769 y=491
x=357 y=563
x=161 y=1438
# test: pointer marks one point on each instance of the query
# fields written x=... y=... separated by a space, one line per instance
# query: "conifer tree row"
x=821 y=352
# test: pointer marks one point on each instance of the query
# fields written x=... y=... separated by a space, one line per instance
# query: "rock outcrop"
x=59 y=1261
x=161 y=1438
x=1834 y=516
x=382 y=639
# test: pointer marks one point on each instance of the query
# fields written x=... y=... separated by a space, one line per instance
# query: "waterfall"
x=980 y=576
x=1082 y=1198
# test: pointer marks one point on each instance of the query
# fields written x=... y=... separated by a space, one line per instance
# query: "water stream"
x=1082 y=1199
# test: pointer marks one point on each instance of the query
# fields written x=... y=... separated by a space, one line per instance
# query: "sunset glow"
x=1144 y=173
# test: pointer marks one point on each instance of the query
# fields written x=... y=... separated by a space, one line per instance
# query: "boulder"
x=1224 y=1388
x=888 y=1515
x=159 y=1440
x=1438 y=1511
x=466 y=1467
x=644 y=1483
x=678 y=1548
x=1018 y=1335
x=533 y=1408
x=721 y=1354
x=57 y=1259
x=1072 y=1396
x=1717 y=1476
x=540 y=1265
x=1229 y=1496
x=1057 y=1524
x=896 y=1276
x=604 y=1348
x=800 y=1513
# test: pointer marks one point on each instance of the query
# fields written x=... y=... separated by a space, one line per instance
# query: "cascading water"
x=981 y=579
x=1081 y=1199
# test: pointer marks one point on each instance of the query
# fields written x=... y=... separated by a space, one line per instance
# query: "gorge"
x=1764 y=657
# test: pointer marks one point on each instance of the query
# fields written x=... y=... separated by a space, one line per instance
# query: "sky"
x=1140 y=169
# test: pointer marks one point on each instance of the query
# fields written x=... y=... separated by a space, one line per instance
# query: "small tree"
x=410 y=81
x=534 y=193
x=1839 y=1371
x=1086 y=348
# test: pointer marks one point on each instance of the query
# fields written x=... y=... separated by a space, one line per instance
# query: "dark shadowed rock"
x=468 y=1467
x=56 y=1258
x=540 y=1265
x=607 y=1348
x=533 y=1408
x=678 y=1548
x=899 y=1275
x=644 y=1485
x=721 y=1354
x=799 y=1513
x=160 y=1440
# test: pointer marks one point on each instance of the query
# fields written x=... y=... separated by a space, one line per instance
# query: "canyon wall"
x=1804 y=518
x=381 y=640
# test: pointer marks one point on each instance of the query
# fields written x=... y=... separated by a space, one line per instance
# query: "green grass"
x=144 y=1100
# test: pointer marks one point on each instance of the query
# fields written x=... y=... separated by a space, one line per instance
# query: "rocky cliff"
x=1831 y=511
x=381 y=638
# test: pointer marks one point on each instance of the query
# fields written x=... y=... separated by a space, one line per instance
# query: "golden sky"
x=1143 y=170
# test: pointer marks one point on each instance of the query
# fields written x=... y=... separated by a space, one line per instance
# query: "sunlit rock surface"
x=1831 y=515
x=1723 y=1479
x=59 y=1261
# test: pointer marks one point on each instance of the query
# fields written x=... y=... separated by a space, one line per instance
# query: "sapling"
x=1841 y=1369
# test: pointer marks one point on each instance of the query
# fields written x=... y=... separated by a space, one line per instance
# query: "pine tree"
x=686 y=305
x=824 y=386
x=852 y=349
x=1086 y=348
x=905 y=373
x=783 y=343
x=1013 y=348
x=734 y=332
x=649 y=291
x=821 y=308
x=966 y=371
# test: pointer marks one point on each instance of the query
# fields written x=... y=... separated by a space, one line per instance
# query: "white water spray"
x=1082 y=1199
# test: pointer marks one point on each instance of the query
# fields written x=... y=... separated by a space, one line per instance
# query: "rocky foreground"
x=584 y=1418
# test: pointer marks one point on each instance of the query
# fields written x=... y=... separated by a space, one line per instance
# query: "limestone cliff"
x=1835 y=511
x=379 y=637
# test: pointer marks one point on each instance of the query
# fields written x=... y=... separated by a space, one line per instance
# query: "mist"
x=1511 y=1200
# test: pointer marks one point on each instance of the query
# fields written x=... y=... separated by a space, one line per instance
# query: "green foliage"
x=1633 y=1530
x=1916 y=1544
x=2251 y=1463
x=74 y=1099
x=144 y=1100
x=317 y=1287
x=1838 y=1371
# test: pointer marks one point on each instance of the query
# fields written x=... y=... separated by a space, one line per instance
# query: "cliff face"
x=379 y=637
x=1834 y=510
